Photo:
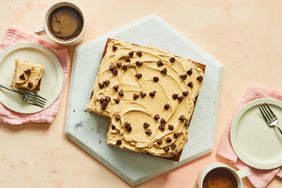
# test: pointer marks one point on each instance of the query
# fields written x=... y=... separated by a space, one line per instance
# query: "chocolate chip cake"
x=27 y=76
x=149 y=95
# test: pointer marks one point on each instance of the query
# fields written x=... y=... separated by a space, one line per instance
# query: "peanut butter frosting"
x=27 y=75
x=149 y=96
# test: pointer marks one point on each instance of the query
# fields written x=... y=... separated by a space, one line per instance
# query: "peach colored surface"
x=245 y=36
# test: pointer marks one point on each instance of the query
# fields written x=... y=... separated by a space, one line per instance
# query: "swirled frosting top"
x=149 y=96
x=27 y=75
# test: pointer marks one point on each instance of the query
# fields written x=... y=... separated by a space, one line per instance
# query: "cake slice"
x=149 y=96
x=27 y=76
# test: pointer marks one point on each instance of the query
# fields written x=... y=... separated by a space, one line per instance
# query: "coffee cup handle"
x=39 y=30
x=243 y=173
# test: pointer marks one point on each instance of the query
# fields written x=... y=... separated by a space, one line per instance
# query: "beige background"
x=244 y=35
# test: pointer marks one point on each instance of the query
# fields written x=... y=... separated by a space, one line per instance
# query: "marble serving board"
x=89 y=130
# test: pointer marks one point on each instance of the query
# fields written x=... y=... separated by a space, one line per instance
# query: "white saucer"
x=255 y=143
x=51 y=83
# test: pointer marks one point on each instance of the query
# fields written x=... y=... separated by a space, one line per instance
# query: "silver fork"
x=29 y=97
x=269 y=116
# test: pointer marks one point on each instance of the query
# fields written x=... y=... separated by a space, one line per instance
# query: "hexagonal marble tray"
x=89 y=130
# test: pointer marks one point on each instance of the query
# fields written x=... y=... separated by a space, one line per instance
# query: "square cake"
x=149 y=96
x=27 y=76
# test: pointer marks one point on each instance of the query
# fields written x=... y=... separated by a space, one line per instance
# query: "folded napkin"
x=259 y=178
x=12 y=36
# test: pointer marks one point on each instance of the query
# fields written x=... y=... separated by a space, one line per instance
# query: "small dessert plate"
x=254 y=142
x=51 y=83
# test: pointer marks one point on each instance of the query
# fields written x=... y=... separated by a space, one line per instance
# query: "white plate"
x=52 y=79
x=255 y=143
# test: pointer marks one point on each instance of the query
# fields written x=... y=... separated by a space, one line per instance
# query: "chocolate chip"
x=164 y=71
x=130 y=54
x=148 y=132
x=180 y=98
x=166 y=106
x=190 y=84
x=104 y=103
x=146 y=125
x=138 y=75
x=139 y=63
x=200 y=78
x=106 y=83
x=156 y=117
x=30 y=85
x=91 y=95
x=168 y=140
x=101 y=85
x=183 y=76
x=155 y=79
x=135 y=96
x=117 y=117
x=159 y=141
x=162 y=127
x=166 y=148
x=112 y=67
x=187 y=123
x=107 y=98
x=170 y=127
x=115 y=87
x=163 y=121
x=185 y=93
x=152 y=94
x=119 y=142
x=139 y=54
x=142 y=94
x=115 y=72
x=113 y=127
x=127 y=127
x=175 y=135
x=114 y=48
x=174 y=96
x=173 y=146
x=124 y=67
x=160 y=63
x=22 y=77
x=117 y=100
x=27 y=71
x=189 y=72
x=127 y=59
x=172 y=60
x=120 y=93
x=119 y=64
x=182 y=118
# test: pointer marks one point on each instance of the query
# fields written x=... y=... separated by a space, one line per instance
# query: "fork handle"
x=279 y=129
x=12 y=90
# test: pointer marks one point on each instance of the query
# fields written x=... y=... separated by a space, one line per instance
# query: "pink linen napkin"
x=12 y=36
x=259 y=178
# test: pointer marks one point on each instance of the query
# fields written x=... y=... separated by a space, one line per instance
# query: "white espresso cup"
x=237 y=174
x=46 y=30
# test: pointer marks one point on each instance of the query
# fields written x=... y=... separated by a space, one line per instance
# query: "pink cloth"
x=259 y=178
x=12 y=36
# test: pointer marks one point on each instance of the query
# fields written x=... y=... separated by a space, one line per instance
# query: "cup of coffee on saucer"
x=219 y=175
x=64 y=24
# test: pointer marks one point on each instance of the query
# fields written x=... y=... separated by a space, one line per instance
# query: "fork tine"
x=33 y=103
x=36 y=98
x=266 y=113
x=36 y=101
x=265 y=118
x=36 y=95
x=269 y=109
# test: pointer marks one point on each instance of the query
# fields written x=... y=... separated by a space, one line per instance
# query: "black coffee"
x=220 y=178
x=65 y=23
